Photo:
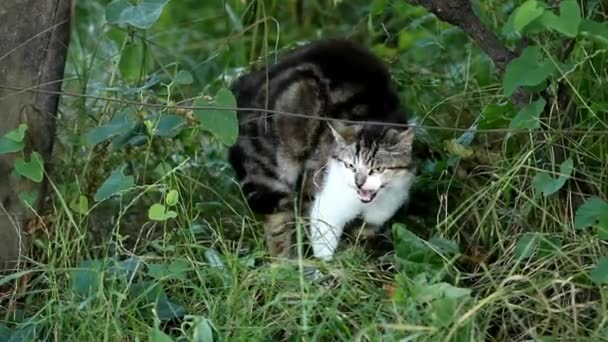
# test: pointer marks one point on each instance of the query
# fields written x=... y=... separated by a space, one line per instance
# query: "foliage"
x=148 y=236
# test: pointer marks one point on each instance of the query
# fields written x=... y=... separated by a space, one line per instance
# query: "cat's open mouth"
x=366 y=196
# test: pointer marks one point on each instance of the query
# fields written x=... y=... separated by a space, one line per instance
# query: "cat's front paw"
x=323 y=252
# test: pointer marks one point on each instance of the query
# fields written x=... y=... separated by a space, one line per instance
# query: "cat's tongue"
x=366 y=196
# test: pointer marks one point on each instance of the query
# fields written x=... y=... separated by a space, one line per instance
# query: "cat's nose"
x=360 y=180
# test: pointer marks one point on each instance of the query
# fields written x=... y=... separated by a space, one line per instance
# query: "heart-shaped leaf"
x=34 y=169
x=599 y=275
x=120 y=124
x=590 y=212
x=378 y=6
x=568 y=21
x=223 y=124
x=525 y=14
x=183 y=77
x=529 y=116
x=166 y=125
x=135 y=62
x=526 y=246
x=9 y=146
x=143 y=15
x=158 y=212
x=549 y=245
x=17 y=135
x=12 y=141
x=29 y=198
x=149 y=292
x=202 y=329
x=529 y=70
x=156 y=335
x=116 y=183
x=178 y=269
x=172 y=198
x=80 y=205
x=548 y=185
x=84 y=281
x=594 y=30
x=601 y=227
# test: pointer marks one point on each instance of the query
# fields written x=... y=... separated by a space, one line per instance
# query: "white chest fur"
x=337 y=204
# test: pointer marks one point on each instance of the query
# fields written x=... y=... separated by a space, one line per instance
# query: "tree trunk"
x=33 y=49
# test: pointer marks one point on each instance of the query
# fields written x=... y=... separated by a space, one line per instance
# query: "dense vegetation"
x=148 y=236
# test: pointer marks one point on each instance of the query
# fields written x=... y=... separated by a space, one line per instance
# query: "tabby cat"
x=341 y=171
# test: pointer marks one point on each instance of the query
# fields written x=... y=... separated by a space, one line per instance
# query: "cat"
x=342 y=171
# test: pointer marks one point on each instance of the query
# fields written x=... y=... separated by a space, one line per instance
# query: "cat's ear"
x=404 y=140
x=337 y=130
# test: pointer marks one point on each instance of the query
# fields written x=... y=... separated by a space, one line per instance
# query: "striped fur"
x=277 y=155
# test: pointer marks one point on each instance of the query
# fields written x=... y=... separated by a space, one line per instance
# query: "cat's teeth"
x=366 y=196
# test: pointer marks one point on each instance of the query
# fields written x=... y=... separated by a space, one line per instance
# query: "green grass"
x=480 y=255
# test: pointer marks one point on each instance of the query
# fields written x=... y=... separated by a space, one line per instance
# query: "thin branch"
x=591 y=132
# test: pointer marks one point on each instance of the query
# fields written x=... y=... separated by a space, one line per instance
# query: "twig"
x=307 y=116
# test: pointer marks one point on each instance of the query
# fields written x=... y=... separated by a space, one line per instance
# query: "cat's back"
x=338 y=60
x=342 y=65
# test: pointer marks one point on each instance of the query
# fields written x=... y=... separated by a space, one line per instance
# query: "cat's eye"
x=378 y=169
x=349 y=165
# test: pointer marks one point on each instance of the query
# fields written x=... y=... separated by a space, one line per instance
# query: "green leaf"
x=155 y=335
x=496 y=116
x=125 y=268
x=589 y=213
x=568 y=21
x=529 y=116
x=448 y=247
x=378 y=6
x=527 y=70
x=595 y=30
x=223 y=124
x=525 y=14
x=549 y=245
x=9 y=146
x=202 y=329
x=17 y=135
x=599 y=275
x=12 y=141
x=85 y=280
x=150 y=292
x=601 y=227
x=34 y=169
x=116 y=183
x=166 y=125
x=423 y=291
x=134 y=62
x=158 y=271
x=29 y=198
x=548 y=185
x=526 y=245
x=143 y=15
x=178 y=269
x=414 y=255
x=167 y=310
x=183 y=77
x=172 y=198
x=158 y=212
x=120 y=124
x=80 y=205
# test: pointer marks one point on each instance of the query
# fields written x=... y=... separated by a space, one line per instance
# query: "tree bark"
x=33 y=50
